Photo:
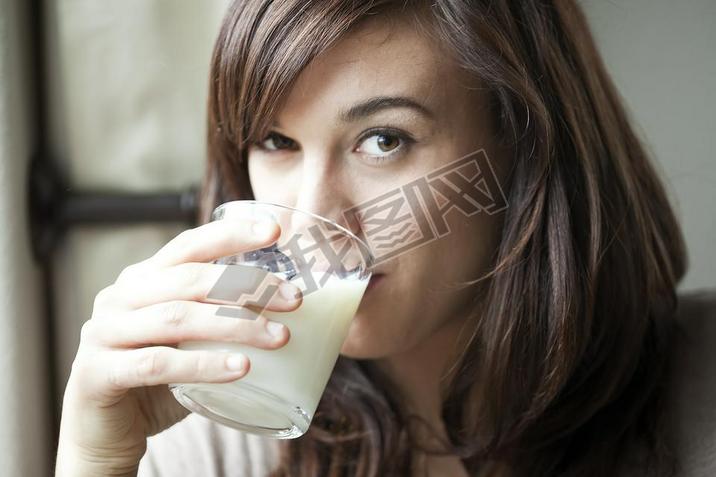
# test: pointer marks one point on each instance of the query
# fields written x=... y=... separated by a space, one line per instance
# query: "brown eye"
x=275 y=141
x=379 y=144
x=387 y=143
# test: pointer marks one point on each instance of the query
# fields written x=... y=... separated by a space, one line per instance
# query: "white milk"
x=296 y=373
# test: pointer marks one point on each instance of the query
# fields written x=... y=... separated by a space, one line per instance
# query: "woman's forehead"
x=378 y=59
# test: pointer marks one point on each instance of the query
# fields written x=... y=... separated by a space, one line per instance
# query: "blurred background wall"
x=122 y=91
x=661 y=56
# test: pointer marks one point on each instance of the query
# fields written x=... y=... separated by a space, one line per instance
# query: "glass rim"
x=370 y=261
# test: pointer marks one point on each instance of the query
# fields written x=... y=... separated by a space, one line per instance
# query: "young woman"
x=530 y=342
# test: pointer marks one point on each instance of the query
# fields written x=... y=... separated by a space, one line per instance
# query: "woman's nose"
x=320 y=190
x=323 y=192
x=322 y=200
x=329 y=201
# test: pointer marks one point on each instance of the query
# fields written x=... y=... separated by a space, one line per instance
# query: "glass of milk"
x=332 y=266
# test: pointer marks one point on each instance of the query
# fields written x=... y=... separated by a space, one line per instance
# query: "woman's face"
x=322 y=159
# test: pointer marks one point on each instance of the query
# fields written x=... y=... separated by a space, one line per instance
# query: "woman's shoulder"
x=693 y=391
x=198 y=446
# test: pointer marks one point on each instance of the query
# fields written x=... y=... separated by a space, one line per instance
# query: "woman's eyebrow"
x=379 y=103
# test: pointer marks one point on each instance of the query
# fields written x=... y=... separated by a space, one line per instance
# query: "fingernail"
x=236 y=362
x=289 y=291
x=275 y=328
x=263 y=228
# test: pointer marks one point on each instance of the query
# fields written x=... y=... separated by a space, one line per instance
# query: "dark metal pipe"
x=110 y=208
x=54 y=207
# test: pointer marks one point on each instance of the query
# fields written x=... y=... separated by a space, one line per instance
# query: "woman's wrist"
x=75 y=462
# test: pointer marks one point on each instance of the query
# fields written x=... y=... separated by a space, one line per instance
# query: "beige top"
x=197 y=446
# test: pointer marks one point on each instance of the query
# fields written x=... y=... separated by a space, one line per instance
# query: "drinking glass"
x=331 y=266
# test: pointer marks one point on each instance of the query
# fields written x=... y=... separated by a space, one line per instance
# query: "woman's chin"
x=361 y=343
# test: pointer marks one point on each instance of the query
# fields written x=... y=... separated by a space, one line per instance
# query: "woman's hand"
x=117 y=393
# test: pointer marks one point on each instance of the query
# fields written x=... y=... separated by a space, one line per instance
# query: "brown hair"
x=571 y=344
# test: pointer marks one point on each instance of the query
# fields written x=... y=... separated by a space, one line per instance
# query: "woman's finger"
x=177 y=321
x=216 y=239
x=107 y=374
x=205 y=282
